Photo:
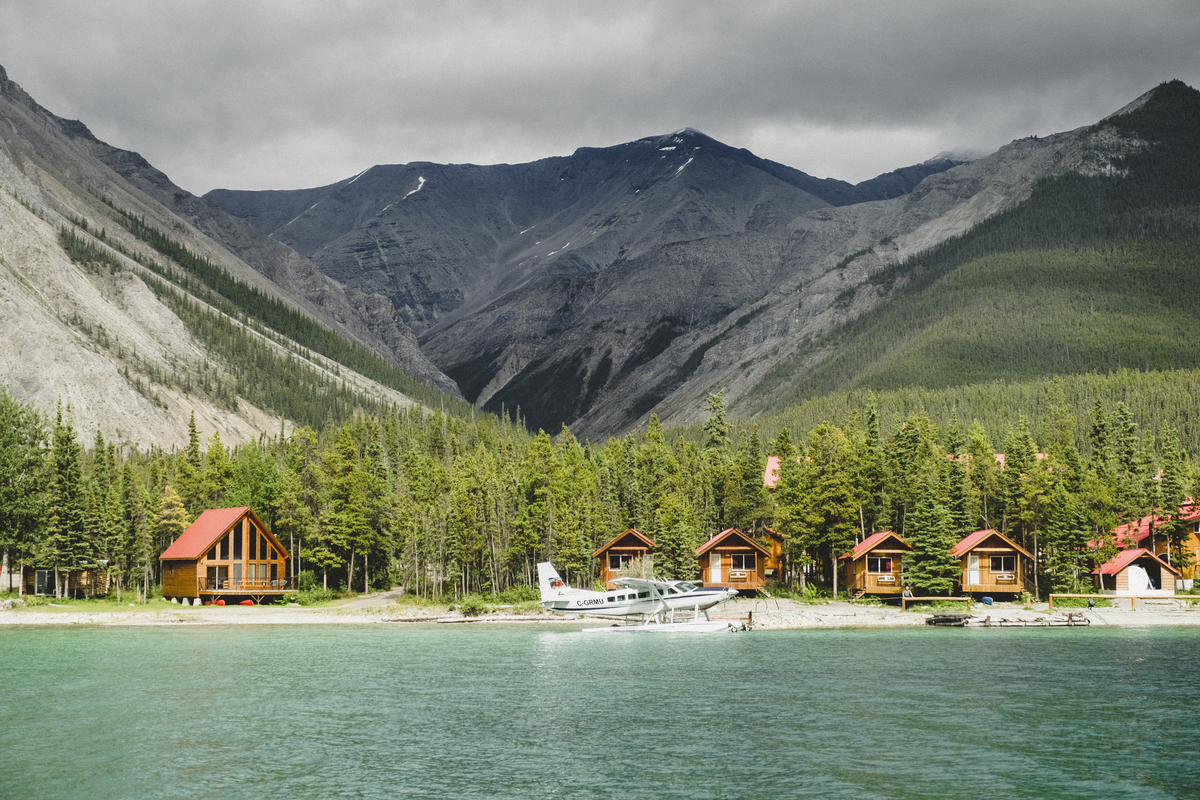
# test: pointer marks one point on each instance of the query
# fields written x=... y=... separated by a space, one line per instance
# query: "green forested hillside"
x=1090 y=274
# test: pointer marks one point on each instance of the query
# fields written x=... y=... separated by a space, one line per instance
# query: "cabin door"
x=714 y=568
x=237 y=577
x=972 y=570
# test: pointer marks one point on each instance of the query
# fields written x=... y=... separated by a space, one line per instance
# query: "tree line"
x=445 y=506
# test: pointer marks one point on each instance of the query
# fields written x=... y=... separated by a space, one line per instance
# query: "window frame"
x=877 y=571
x=734 y=558
x=992 y=564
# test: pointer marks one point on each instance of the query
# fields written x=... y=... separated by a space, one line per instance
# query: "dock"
x=966 y=620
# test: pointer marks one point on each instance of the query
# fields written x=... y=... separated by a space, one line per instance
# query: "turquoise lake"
x=386 y=711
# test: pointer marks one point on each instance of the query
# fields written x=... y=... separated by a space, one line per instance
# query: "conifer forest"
x=447 y=507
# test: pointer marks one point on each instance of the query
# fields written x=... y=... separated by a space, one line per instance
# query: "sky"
x=276 y=94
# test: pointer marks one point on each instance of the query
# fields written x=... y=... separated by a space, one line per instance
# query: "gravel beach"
x=762 y=613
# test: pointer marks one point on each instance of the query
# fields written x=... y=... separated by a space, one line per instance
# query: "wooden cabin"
x=733 y=560
x=78 y=583
x=991 y=563
x=773 y=541
x=626 y=546
x=876 y=565
x=1136 y=571
x=226 y=553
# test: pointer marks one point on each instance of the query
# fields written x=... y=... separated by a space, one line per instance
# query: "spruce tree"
x=23 y=480
x=66 y=546
x=932 y=568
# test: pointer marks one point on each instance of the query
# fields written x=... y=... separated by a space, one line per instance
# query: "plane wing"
x=640 y=583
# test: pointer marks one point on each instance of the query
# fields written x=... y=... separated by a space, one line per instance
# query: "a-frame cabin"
x=227 y=553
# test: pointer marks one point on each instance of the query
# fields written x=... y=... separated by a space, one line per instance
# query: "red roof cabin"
x=991 y=563
x=226 y=553
x=1137 y=572
x=629 y=545
x=876 y=565
x=733 y=560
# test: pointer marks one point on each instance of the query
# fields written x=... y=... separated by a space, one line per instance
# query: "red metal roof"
x=725 y=534
x=1132 y=534
x=973 y=540
x=1126 y=557
x=208 y=527
x=871 y=542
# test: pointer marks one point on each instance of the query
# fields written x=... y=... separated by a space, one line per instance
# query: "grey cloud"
x=289 y=94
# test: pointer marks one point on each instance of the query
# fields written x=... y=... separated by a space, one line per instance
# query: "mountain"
x=597 y=288
x=1094 y=272
x=135 y=303
x=592 y=289
x=548 y=285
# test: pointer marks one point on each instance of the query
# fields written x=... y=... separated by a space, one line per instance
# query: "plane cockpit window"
x=685 y=587
x=642 y=595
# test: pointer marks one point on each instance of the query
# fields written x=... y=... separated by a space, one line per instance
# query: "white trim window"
x=879 y=565
x=742 y=561
x=618 y=560
x=1003 y=564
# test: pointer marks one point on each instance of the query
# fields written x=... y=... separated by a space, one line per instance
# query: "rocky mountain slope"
x=597 y=288
x=103 y=340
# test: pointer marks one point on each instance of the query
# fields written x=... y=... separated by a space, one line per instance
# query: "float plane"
x=654 y=601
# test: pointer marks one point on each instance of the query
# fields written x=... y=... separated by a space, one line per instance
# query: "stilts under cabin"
x=227 y=553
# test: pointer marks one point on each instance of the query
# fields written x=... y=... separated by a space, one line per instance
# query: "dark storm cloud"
x=290 y=94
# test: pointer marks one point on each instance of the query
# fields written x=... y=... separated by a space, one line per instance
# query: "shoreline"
x=763 y=613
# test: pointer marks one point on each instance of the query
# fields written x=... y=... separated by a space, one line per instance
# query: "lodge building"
x=227 y=553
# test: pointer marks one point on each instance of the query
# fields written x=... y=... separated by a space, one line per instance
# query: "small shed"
x=626 y=546
x=733 y=560
x=90 y=581
x=992 y=563
x=1136 y=571
x=876 y=565
x=225 y=553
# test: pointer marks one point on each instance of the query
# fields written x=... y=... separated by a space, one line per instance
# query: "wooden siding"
x=885 y=583
x=239 y=562
x=750 y=580
x=627 y=546
x=79 y=583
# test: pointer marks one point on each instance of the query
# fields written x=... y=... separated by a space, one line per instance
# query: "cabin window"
x=212 y=554
x=238 y=537
x=742 y=561
x=643 y=595
x=618 y=560
x=224 y=548
x=262 y=548
x=880 y=566
x=274 y=574
x=1004 y=563
x=612 y=599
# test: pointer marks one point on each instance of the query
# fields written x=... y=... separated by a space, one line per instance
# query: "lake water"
x=387 y=711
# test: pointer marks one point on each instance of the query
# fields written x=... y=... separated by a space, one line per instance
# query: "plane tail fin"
x=548 y=580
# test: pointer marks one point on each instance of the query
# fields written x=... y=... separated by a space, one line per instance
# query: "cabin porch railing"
x=241 y=585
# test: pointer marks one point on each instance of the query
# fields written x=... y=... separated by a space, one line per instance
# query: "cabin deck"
x=225 y=586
